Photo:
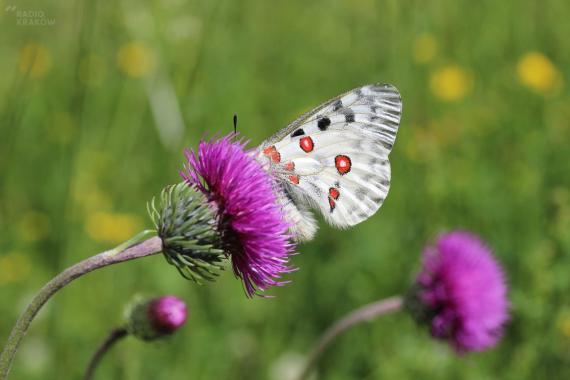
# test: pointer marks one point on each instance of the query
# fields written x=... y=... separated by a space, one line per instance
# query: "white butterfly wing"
x=335 y=158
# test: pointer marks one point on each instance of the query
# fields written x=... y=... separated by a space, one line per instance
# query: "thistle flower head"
x=253 y=231
x=461 y=293
x=150 y=319
x=189 y=232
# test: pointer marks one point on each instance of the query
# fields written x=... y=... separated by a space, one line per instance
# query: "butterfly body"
x=334 y=158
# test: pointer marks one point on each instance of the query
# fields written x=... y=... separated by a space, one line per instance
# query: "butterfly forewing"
x=335 y=158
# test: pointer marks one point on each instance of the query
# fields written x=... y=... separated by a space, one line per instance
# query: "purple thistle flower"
x=167 y=313
x=462 y=292
x=253 y=228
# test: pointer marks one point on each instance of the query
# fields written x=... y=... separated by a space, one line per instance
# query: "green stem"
x=115 y=335
x=139 y=249
x=141 y=236
x=365 y=313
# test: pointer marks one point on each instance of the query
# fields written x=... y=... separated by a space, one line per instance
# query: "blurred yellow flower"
x=423 y=146
x=85 y=189
x=62 y=128
x=34 y=60
x=565 y=326
x=135 y=59
x=560 y=196
x=112 y=227
x=33 y=226
x=425 y=48
x=14 y=267
x=537 y=72
x=90 y=199
x=451 y=83
x=92 y=70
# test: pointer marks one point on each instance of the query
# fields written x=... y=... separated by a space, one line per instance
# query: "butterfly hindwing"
x=335 y=157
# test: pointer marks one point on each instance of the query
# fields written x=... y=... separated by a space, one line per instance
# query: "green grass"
x=80 y=138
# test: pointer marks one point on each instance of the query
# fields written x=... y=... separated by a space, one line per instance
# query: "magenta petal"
x=167 y=313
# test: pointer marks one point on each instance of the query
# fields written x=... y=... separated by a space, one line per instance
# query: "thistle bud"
x=155 y=318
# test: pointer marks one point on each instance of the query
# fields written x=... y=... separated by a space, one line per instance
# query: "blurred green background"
x=99 y=99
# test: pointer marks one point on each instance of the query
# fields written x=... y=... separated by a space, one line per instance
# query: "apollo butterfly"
x=335 y=159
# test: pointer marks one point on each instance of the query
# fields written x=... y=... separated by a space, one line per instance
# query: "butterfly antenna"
x=235 y=123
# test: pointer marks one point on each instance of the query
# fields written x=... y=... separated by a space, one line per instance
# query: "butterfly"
x=334 y=159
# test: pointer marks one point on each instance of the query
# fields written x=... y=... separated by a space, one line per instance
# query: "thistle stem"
x=139 y=249
x=365 y=313
x=115 y=335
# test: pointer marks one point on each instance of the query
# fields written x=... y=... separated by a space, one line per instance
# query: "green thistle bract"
x=187 y=225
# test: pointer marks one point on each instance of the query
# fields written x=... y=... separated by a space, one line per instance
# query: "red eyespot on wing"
x=294 y=179
x=332 y=203
x=307 y=144
x=272 y=153
x=342 y=163
x=334 y=193
x=290 y=166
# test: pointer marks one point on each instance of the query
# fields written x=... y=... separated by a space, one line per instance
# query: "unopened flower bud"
x=151 y=319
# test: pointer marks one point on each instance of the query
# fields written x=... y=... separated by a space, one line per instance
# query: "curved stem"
x=365 y=313
x=146 y=248
x=115 y=335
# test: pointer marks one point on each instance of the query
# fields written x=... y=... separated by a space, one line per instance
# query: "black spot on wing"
x=337 y=105
x=298 y=132
x=349 y=117
x=324 y=123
